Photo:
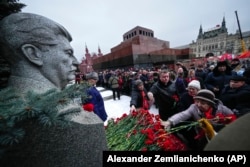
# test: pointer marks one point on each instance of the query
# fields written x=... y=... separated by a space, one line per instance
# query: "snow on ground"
x=116 y=108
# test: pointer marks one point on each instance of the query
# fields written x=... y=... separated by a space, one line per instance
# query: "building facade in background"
x=139 y=49
x=217 y=41
x=86 y=64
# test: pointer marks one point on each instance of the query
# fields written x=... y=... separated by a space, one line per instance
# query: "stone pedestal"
x=80 y=145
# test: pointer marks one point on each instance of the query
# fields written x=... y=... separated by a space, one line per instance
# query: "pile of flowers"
x=141 y=131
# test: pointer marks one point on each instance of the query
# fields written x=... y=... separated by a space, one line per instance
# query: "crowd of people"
x=186 y=94
x=43 y=62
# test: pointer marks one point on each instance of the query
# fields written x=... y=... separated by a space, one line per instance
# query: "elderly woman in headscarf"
x=205 y=106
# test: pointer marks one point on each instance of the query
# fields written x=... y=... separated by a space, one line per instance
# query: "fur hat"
x=206 y=95
x=92 y=75
x=195 y=84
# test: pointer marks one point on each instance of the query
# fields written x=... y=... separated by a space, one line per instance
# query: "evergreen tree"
x=10 y=6
x=48 y=109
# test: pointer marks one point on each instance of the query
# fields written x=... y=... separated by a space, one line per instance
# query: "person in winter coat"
x=165 y=95
x=219 y=78
x=114 y=85
x=185 y=101
x=95 y=98
x=144 y=77
x=192 y=76
x=236 y=95
x=180 y=83
x=139 y=98
x=237 y=66
x=246 y=74
x=205 y=106
x=120 y=82
x=185 y=70
x=187 y=98
x=201 y=73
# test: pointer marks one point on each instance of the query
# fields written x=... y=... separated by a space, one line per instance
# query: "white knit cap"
x=195 y=84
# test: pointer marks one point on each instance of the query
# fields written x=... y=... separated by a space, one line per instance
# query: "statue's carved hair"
x=26 y=28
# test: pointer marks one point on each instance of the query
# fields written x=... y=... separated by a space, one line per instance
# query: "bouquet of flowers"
x=140 y=131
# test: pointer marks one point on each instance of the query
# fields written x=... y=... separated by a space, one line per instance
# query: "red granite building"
x=139 y=49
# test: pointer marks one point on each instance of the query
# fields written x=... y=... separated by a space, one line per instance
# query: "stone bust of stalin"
x=41 y=58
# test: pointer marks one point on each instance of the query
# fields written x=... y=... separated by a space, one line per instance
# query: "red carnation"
x=88 y=107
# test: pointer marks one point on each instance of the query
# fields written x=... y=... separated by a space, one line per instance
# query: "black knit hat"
x=222 y=63
x=238 y=78
x=205 y=95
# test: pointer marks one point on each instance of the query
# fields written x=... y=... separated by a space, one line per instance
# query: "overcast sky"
x=103 y=22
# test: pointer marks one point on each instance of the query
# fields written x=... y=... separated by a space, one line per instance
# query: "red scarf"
x=208 y=113
x=145 y=104
x=225 y=119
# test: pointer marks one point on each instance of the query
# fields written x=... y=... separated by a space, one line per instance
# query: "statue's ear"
x=33 y=54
